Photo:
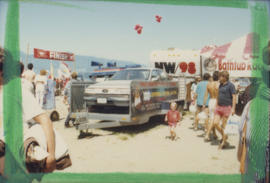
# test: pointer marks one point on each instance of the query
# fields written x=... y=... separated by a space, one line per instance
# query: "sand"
x=145 y=148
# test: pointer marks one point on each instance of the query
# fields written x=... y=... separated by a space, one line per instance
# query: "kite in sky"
x=138 y=28
x=158 y=18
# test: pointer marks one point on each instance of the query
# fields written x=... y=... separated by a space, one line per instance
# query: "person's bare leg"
x=206 y=124
x=174 y=135
x=224 y=136
x=196 y=118
x=213 y=124
x=214 y=133
x=171 y=132
x=216 y=124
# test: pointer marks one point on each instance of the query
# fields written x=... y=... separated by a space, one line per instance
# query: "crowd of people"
x=43 y=85
x=216 y=97
x=215 y=100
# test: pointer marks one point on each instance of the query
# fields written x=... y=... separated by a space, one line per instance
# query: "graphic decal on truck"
x=145 y=99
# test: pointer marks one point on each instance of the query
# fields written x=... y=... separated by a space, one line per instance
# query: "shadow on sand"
x=128 y=130
x=135 y=129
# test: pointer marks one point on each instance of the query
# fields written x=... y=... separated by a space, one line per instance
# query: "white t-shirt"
x=27 y=85
x=30 y=108
x=29 y=75
x=40 y=86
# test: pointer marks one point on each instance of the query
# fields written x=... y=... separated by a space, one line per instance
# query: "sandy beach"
x=145 y=148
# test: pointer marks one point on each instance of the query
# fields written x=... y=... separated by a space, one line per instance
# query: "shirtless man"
x=212 y=90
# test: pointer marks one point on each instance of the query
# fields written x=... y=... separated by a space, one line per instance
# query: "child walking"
x=173 y=117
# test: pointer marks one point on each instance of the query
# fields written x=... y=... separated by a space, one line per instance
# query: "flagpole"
x=74 y=66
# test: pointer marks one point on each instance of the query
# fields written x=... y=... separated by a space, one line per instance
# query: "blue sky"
x=106 y=29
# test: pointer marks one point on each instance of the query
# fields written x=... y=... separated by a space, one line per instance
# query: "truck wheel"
x=81 y=135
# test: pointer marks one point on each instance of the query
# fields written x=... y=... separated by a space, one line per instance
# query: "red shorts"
x=223 y=111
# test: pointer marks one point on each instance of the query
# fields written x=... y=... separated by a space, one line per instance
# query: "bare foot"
x=222 y=145
x=207 y=138
x=215 y=137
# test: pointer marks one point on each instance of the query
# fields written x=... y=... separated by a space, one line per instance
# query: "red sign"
x=191 y=67
x=53 y=55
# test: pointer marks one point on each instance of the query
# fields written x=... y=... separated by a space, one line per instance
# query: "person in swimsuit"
x=212 y=90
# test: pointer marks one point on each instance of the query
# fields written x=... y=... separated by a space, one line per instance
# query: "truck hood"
x=110 y=86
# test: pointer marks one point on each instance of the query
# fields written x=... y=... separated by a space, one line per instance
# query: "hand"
x=50 y=164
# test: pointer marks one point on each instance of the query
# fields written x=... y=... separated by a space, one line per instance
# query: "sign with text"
x=53 y=55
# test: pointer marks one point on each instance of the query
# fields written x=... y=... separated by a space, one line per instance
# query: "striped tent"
x=235 y=56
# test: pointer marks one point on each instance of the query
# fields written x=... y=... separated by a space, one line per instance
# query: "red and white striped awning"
x=239 y=49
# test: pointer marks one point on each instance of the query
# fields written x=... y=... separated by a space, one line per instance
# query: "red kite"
x=158 y=18
x=138 y=28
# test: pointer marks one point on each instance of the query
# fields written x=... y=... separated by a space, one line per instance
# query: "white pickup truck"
x=130 y=97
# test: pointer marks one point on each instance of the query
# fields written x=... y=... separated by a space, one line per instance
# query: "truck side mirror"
x=163 y=76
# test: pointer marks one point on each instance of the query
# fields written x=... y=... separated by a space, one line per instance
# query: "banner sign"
x=53 y=55
x=175 y=61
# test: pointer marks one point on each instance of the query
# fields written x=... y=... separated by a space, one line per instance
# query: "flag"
x=64 y=70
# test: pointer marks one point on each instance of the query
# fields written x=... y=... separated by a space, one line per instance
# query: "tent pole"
x=201 y=74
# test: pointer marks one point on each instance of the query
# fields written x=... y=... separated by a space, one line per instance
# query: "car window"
x=131 y=75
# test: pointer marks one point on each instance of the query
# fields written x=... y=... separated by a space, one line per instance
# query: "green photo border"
x=14 y=166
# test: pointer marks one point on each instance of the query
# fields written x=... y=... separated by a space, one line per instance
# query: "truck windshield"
x=131 y=75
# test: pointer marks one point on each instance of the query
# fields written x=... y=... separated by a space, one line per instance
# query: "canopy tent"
x=235 y=56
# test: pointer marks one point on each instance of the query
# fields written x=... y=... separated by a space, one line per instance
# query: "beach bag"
x=202 y=116
x=37 y=132
x=192 y=108
x=232 y=125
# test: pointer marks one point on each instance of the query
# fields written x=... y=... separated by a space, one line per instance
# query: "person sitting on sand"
x=173 y=117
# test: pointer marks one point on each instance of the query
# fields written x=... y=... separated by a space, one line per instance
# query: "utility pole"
x=27 y=54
